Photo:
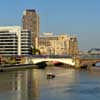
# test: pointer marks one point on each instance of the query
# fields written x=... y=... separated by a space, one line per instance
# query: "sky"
x=76 y=17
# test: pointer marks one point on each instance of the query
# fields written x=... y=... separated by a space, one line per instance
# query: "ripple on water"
x=85 y=91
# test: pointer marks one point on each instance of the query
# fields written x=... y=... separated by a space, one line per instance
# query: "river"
x=32 y=84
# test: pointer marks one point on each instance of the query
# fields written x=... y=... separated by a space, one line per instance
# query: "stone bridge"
x=76 y=61
x=68 y=61
x=87 y=60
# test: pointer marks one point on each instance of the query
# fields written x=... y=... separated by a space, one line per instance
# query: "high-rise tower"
x=30 y=21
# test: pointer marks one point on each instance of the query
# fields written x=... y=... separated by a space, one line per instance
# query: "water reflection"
x=20 y=85
x=33 y=85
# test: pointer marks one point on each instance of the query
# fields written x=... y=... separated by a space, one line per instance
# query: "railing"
x=51 y=56
x=90 y=56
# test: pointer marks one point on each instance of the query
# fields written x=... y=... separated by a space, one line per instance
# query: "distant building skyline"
x=59 y=16
x=62 y=44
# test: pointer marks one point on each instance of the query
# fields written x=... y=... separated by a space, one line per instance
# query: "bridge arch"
x=68 y=61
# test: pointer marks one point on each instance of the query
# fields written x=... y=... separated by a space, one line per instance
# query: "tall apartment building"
x=14 y=41
x=30 y=21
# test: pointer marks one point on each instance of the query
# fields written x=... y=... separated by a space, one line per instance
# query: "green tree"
x=35 y=51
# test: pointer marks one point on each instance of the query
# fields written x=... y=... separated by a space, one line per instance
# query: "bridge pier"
x=89 y=66
x=77 y=62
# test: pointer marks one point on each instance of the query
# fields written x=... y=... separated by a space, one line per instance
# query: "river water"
x=32 y=84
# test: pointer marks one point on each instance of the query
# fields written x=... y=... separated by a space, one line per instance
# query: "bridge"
x=66 y=60
x=77 y=61
x=87 y=59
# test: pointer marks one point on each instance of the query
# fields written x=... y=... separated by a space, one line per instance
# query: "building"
x=46 y=42
x=94 y=51
x=30 y=21
x=72 y=45
x=58 y=45
x=14 y=41
x=26 y=42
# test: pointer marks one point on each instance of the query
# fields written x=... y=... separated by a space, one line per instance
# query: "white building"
x=14 y=41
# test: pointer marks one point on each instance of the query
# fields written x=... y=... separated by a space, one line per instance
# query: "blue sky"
x=81 y=17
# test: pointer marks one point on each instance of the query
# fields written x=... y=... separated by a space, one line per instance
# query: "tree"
x=35 y=51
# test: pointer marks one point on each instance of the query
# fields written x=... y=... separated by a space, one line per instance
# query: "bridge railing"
x=51 y=56
x=90 y=56
x=60 y=56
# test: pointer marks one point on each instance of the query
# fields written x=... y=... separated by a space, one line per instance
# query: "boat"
x=50 y=76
